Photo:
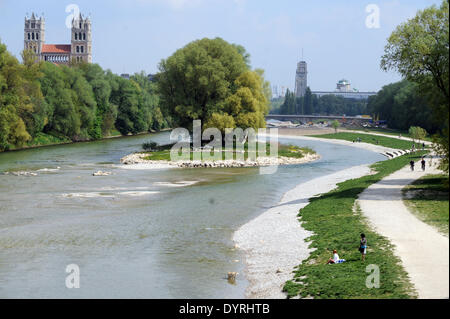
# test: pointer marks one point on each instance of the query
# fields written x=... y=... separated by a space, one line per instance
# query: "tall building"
x=80 y=49
x=301 y=77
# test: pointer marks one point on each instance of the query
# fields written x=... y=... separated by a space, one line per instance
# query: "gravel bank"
x=274 y=242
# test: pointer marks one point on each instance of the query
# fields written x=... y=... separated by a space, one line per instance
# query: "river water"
x=136 y=233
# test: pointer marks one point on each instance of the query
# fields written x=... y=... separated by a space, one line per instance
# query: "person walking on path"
x=411 y=164
x=423 y=164
x=363 y=246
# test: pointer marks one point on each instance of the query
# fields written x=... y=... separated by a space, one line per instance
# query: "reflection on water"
x=135 y=233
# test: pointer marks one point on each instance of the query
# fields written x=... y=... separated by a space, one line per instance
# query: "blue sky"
x=134 y=35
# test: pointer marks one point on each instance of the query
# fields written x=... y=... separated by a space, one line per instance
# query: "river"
x=136 y=233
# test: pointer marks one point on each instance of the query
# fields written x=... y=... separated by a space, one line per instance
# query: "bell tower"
x=81 y=50
x=34 y=34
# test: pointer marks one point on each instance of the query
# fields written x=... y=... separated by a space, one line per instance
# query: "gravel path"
x=424 y=252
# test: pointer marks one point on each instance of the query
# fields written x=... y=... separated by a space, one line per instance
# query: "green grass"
x=387 y=131
x=429 y=200
x=337 y=225
x=283 y=150
x=371 y=139
x=46 y=139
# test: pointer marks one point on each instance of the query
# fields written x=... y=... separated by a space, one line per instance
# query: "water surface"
x=136 y=233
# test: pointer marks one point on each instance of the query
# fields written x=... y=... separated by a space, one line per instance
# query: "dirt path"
x=423 y=251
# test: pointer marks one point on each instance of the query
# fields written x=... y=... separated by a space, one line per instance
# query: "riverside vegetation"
x=43 y=103
x=336 y=223
x=372 y=139
x=208 y=79
x=428 y=199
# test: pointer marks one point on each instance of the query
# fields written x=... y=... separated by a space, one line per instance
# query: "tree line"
x=208 y=79
x=78 y=102
x=325 y=105
x=402 y=106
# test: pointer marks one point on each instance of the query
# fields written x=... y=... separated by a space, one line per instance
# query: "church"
x=79 y=50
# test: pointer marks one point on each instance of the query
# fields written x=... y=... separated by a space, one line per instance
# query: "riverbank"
x=50 y=140
x=330 y=221
x=274 y=242
x=424 y=252
x=337 y=221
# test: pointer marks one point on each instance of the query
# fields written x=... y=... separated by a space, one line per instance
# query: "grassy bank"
x=163 y=152
x=428 y=199
x=387 y=131
x=370 y=139
x=337 y=224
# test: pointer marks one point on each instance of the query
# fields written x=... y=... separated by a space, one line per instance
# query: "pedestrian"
x=423 y=146
x=411 y=164
x=363 y=246
x=423 y=163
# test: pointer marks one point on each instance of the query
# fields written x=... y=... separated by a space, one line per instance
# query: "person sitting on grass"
x=335 y=259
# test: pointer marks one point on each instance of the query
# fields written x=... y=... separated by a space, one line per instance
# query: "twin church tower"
x=80 y=49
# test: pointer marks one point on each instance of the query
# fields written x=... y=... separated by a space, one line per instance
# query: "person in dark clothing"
x=423 y=163
x=411 y=164
x=363 y=246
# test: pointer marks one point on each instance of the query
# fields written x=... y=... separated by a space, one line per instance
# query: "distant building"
x=80 y=49
x=343 y=86
x=344 y=89
x=301 y=77
x=348 y=95
x=151 y=77
x=125 y=76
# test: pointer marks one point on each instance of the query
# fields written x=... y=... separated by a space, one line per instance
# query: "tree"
x=335 y=124
x=419 y=50
x=417 y=133
x=207 y=77
x=14 y=101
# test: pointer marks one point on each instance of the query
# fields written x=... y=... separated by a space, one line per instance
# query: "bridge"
x=312 y=118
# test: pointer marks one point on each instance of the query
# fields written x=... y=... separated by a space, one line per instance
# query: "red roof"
x=56 y=48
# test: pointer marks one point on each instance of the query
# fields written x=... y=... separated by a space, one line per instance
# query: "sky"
x=135 y=35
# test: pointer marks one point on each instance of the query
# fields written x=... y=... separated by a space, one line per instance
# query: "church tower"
x=81 y=50
x=34 y=34
x=301 y=79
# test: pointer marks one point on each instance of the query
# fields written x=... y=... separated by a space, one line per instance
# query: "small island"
x=158 y=155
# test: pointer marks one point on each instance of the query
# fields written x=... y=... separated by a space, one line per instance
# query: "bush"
x=150 y=146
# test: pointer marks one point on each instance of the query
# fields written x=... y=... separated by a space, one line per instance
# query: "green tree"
x=417 y=133
x=208 y=79
x=419 y=50
x=14 y=101
x=335 y=124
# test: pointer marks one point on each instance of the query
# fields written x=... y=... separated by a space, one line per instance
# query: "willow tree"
x=209 y=80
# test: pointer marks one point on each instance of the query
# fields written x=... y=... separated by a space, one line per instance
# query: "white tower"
x=301 y=79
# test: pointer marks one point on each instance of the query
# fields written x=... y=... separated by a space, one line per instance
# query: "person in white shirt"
x=334 y=259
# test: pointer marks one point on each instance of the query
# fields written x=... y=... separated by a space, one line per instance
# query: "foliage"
x=43 y=103
x=417 y=133
x=401 y=105
x=209 y=80
x=336 y=225
x=335 y=124
x=419 y=50
x=324 y=105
